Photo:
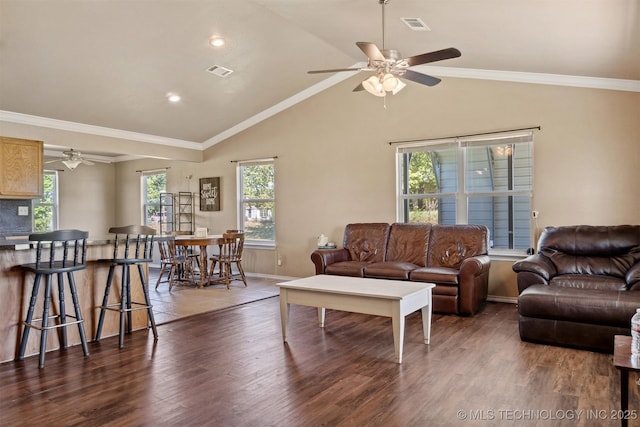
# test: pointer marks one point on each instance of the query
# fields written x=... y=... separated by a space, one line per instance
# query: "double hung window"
x=256 y=210
x=153 y=183
x=45 y=209
x=486 y=180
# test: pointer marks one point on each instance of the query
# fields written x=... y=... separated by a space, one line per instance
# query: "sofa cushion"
x=389 y=270
x=587 y=281
x=435 y=275
x=408 y=243
x=591 y=306
x=366 y=242
x=449 y=245
x=347 y=268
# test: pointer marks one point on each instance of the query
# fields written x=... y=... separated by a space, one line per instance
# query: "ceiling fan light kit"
x=72 y=159
x=389 y=67
x=71 y=164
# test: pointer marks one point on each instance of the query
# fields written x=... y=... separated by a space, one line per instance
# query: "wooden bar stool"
x=67 y=253
x=135 y=250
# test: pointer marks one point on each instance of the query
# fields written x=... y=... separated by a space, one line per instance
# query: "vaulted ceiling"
x=111 y=64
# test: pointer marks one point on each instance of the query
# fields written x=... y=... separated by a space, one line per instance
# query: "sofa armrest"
x=323 y=257
x=537 y=264
x=473 y=283
x=633 y=276
x=534 y=270
x=475 y=265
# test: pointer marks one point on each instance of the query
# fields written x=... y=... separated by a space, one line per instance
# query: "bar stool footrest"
x=59 y=325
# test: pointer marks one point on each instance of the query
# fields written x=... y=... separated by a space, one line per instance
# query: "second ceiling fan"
x=389 y=67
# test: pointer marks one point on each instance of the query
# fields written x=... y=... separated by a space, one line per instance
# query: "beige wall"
x=335 y=165
x=86 y=198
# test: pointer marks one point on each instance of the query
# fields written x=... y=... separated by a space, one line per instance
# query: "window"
x=45 y=210
x=483 y=180
x=153 y=183
x=256 y=208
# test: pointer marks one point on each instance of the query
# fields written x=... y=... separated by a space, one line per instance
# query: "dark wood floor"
x=230 y=368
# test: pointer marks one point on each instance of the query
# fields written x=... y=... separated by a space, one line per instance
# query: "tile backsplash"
x=13 y=222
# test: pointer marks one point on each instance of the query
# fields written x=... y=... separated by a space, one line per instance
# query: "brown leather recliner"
x=454 y=257
x=581 y=288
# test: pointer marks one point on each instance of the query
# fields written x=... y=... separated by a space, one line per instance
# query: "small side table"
x=626 y=363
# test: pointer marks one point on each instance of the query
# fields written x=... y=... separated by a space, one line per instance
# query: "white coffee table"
x=391 y=298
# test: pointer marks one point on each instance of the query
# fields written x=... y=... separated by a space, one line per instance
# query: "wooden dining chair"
x=175 y=261
x=230 y=253
x=192 y=251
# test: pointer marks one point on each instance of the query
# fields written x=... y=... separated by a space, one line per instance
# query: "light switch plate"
x=23 y=210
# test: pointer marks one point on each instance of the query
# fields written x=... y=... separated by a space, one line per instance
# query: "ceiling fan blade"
x=335 y=70
x=358 y=88
x=423 y=79
x=434 y=56
x=86 y=162
x=371 y=50
x=53 y=161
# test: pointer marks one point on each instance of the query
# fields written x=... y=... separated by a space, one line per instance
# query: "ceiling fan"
x=72 y=159
x=389 y=67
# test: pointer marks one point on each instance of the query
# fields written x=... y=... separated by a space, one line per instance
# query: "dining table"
x=202 y=242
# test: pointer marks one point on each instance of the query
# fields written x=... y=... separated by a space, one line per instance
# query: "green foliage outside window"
x=154 y=184
x=258 y=201
x=422 y=180
x=44 y=208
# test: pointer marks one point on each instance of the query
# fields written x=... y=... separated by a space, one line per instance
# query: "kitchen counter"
x=22 y=242
x=16 y=286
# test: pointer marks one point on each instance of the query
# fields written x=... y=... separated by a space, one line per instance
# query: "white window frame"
x=54 y=205
x=143 y=195
x=242 y=202
x=463 y=195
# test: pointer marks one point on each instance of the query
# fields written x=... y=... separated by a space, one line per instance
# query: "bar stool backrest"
x=63 y=239
x=141 y=235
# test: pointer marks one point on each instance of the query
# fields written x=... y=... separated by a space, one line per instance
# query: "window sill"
x=507 y=255
x=260 y=245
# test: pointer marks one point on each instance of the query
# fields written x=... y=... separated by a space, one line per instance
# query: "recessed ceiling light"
x=216 y=41
x=173 y=97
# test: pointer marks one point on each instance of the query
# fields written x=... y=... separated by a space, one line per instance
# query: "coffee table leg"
x=284 y=312
x=426 y=323
x=398 y=332
x=321 y=316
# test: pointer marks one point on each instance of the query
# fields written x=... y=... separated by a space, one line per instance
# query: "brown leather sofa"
x=454 y=257
x=581 y=288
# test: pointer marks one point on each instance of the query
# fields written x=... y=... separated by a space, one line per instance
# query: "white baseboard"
x=498 y=298
x=271 y=276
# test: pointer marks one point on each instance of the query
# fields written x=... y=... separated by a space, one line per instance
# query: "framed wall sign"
x=210 y=194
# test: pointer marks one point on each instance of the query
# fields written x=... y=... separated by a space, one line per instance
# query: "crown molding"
x=533 y=78
x=26 y=119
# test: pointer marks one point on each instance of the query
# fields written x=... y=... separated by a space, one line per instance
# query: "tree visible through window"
x=257 y=201
x=153 y=183
x=45 y=209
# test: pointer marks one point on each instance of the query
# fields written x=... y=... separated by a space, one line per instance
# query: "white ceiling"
x=112 y=63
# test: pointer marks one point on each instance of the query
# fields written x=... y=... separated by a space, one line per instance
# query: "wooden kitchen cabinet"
x=20 y=168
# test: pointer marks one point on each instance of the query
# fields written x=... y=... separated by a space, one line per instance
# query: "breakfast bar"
x=15 y=292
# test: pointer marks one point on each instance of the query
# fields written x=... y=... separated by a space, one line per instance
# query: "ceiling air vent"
x=219 y=71
x=415 y=24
